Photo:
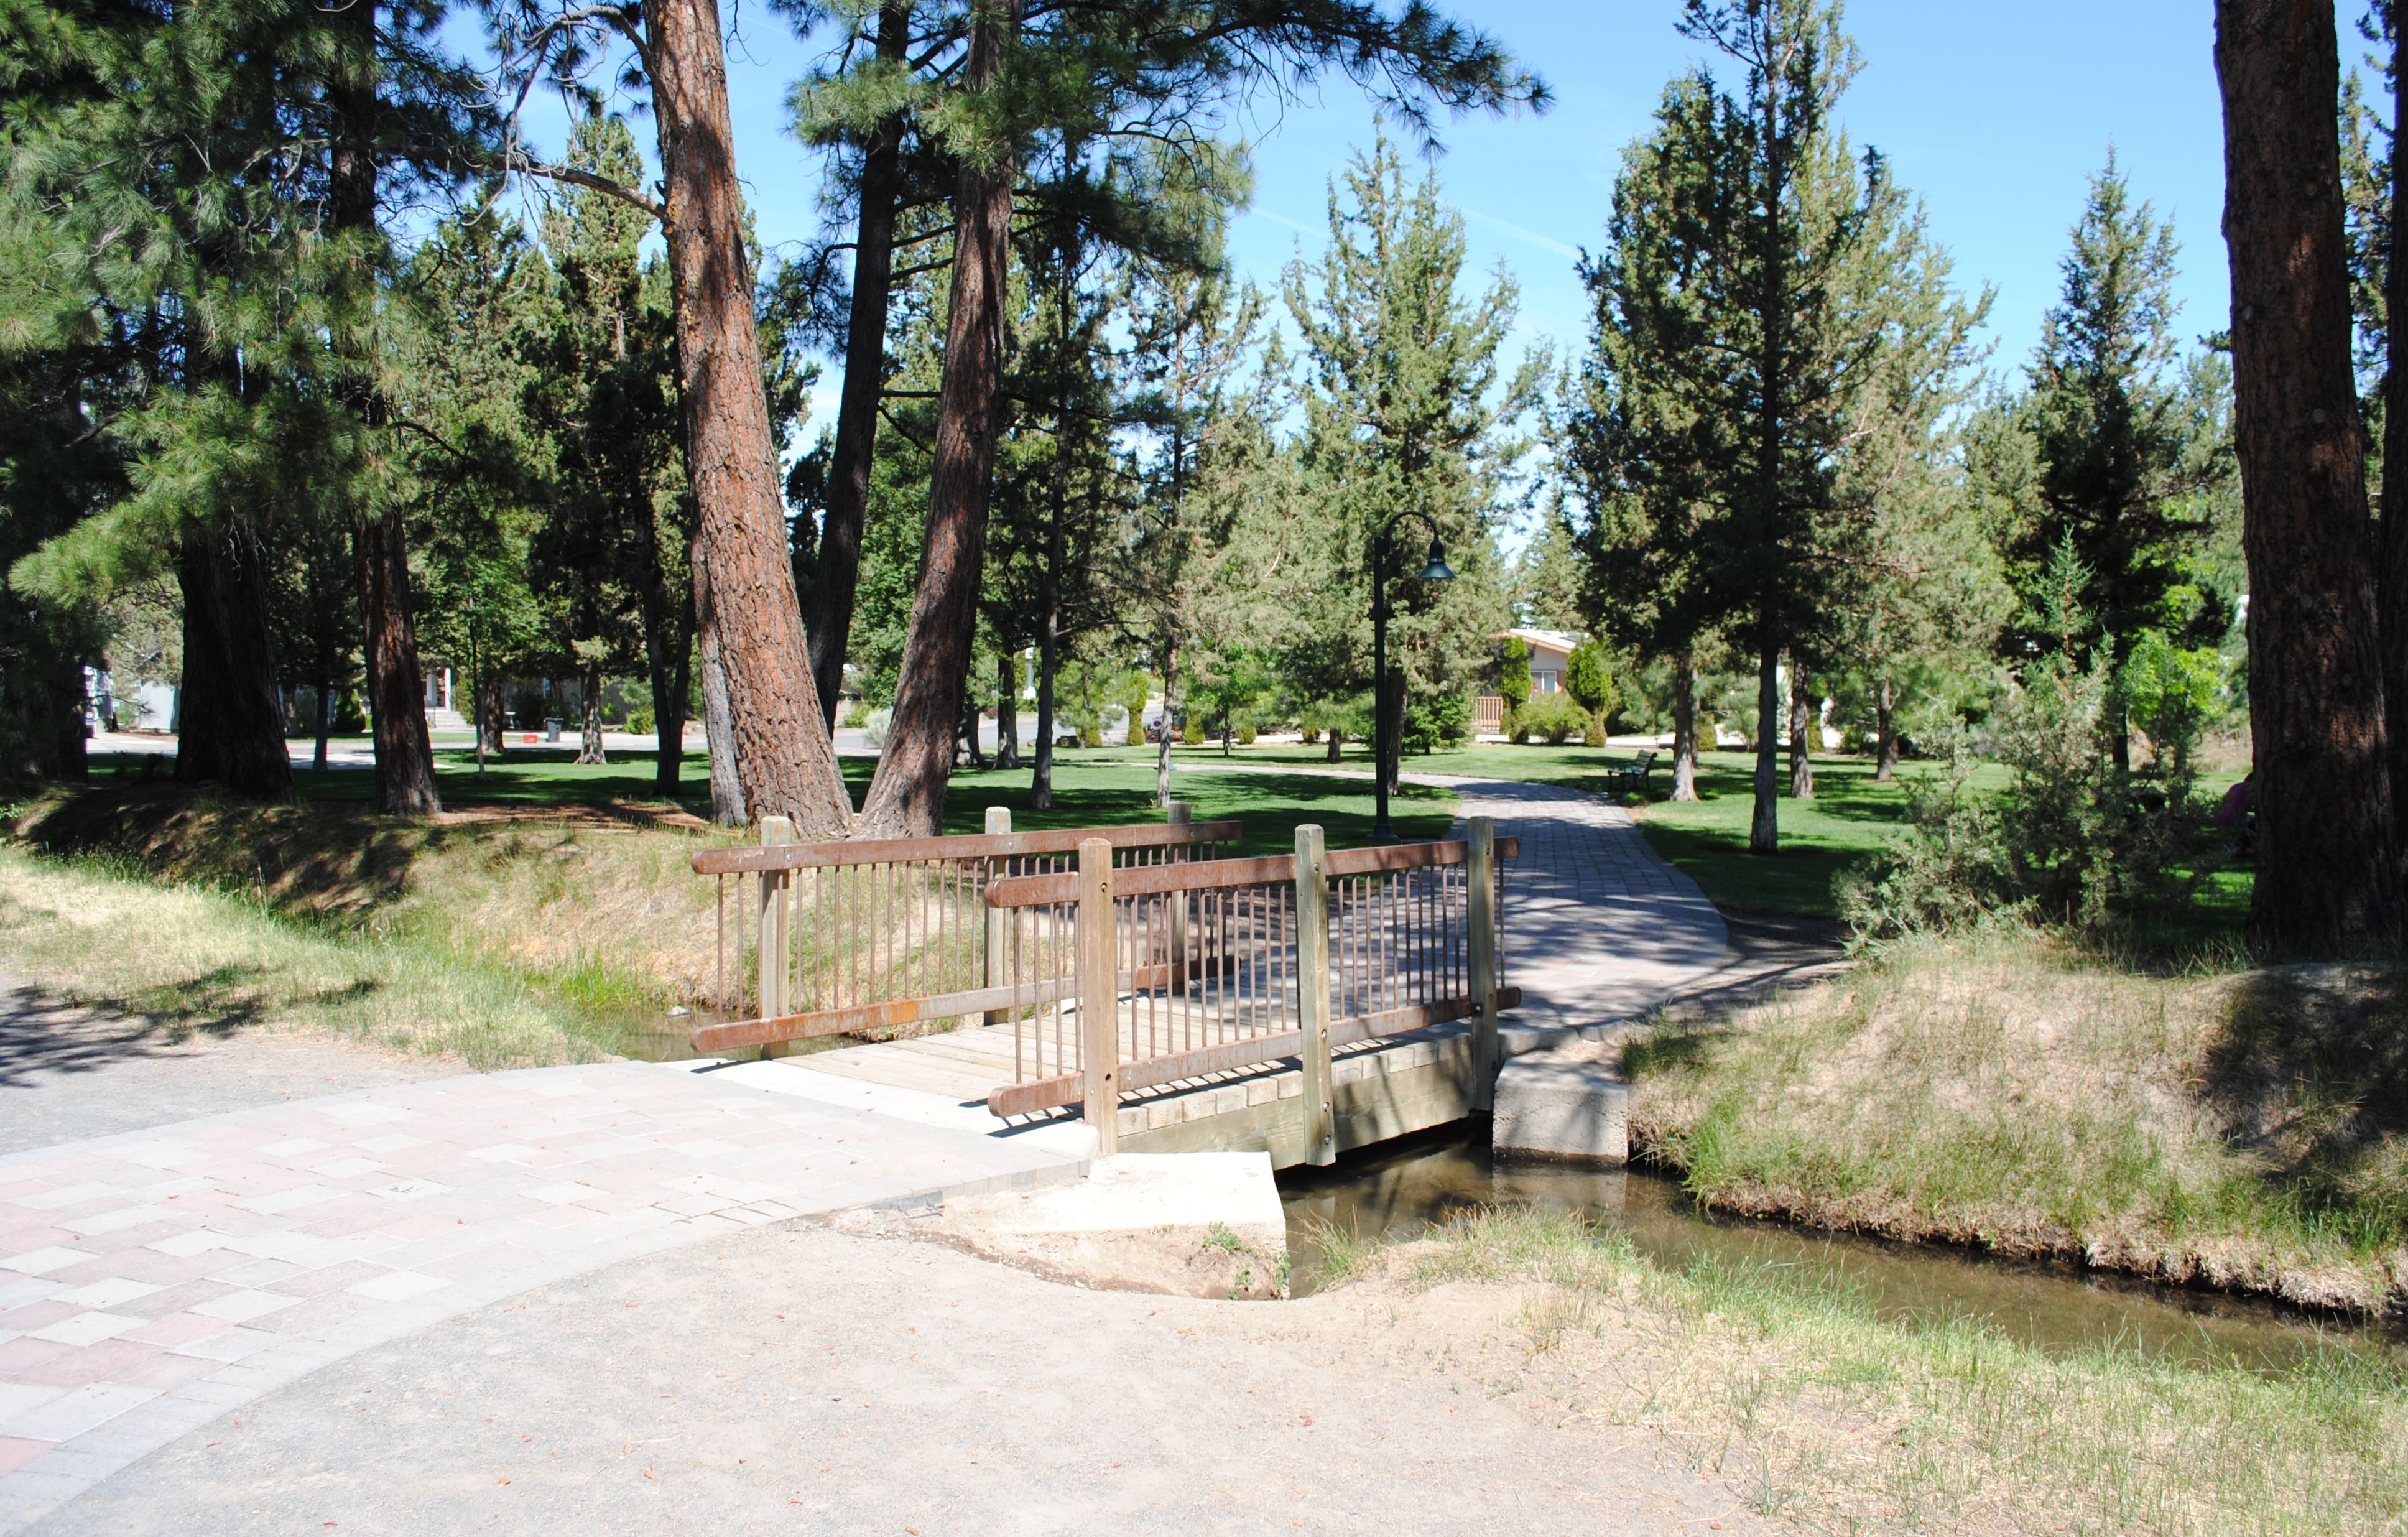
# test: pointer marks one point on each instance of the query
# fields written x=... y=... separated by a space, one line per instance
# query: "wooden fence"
x=881 y=934
x=1120 y=978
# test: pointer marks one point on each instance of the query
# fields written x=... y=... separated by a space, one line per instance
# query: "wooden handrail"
x=893 y=851
x=1220 y=874
x=1043 y=1094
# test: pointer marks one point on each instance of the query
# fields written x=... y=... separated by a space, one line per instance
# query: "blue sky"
x=1993 y=114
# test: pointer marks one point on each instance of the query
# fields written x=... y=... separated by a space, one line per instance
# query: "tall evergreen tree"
x=2105 y=410
x=2325 y=879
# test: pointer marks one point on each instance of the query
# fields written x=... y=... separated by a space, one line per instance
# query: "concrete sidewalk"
x=153 y=1280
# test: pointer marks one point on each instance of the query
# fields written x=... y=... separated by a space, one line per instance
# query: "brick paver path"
x=1598 y=926
x=153 y=1280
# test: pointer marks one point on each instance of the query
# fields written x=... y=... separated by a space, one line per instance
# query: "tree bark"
x=1162 y=754
x=718 y=734
x=489 y=710
x=232 y=729
x=837 y=574
x=588 y=700
x=405 y=756
x=907 y=799
x=784 y=761
x=1764 y=826
x=1801 y=757
x=1007 y=711
x=1885 y=733
x=668 y=652
x=1685 y=726
x=2392 y=593
x=1336 y=744
x=1049 y=653
x=322 y=728
x=2324 y=882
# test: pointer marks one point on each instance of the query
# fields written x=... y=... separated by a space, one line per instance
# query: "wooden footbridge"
x=1181 y=1000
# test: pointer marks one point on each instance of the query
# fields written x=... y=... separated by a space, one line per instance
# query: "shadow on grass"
x=2310 y=1072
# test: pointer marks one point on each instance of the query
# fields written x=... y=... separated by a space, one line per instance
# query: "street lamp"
x=1435 y=570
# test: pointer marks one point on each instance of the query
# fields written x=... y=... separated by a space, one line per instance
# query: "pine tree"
x=2326 y=880
x=1404 y=408
x=2105 y=412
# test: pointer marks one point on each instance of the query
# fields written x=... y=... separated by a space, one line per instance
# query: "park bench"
x=1634 y=777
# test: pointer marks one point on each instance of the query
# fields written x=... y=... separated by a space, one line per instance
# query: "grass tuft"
x=1826 y=1415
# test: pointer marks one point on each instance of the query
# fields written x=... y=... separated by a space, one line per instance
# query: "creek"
x=1400 y=1190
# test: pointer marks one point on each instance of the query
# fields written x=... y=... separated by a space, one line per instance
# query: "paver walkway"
x=1598 y=927
x=152 y=1280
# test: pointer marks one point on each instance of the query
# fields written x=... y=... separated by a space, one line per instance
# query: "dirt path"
x=800 y=1379
x=68 y=1073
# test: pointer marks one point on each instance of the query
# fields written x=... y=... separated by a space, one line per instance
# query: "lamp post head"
x=1437 y=569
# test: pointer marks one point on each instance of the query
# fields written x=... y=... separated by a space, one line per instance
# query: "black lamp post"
x=1435 y=570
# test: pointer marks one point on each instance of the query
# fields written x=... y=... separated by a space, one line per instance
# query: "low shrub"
x=1554 y=716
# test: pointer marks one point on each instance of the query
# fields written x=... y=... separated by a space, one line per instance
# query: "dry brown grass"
x=2244 y=1130
x=190 y=960
x=1824 y=1416
x=587 y=908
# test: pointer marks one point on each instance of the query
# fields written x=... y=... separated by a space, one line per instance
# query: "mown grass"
x=2248 y=1129
x=1827 y=1416
x=210 y=962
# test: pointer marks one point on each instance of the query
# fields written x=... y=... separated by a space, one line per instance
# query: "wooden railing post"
x=997 y=971
x=1178 y=813
x=1480 y=878
x=1316 y=1104
x=775 y=948
x=1100 y=994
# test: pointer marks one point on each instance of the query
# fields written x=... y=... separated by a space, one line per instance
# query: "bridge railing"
x=1124 y=978
x=870 y=935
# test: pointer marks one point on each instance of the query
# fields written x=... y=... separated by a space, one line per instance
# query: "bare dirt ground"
x=69 y=1074
x=799 y=1378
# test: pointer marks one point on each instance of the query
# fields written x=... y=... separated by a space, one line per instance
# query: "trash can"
x=551 y=728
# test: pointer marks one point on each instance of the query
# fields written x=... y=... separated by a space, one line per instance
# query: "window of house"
x=1542 y=683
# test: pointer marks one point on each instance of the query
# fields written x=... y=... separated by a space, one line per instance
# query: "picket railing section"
x=1123 y=978
x=872 y=935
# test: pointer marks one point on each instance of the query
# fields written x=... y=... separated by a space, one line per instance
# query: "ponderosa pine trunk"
x=668 y=653
x=1049 y=656
x=397 y=692
x=718 y=733
x=1801 y=757
x=784 y=760
x=1885 y=733
x=1162 y=754
x=1336 y=744
x=231 y=730
x=2392 y=591
x=1007 y=711
x=907 y=799
x=1685 y=726
x=2324 y=883
x=322 y=729
x=488 y=693
x=1764 y=825
x=836 y=576
x=588 y=700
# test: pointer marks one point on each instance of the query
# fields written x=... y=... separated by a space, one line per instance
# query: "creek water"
x=1400 y=1190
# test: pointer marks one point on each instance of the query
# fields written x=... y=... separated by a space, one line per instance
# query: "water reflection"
x=1395 y=1192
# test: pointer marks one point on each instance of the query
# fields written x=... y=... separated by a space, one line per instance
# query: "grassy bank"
x=192 y=961
x=2247 y=1131
x=1826 y=1416
x=555 y=883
